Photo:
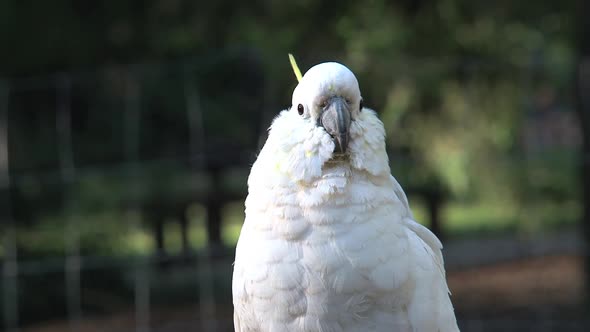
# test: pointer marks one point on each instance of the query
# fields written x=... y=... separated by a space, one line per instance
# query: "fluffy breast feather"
x=331 y=245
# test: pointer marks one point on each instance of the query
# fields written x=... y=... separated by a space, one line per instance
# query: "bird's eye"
x=361 y=105
x=300 y=109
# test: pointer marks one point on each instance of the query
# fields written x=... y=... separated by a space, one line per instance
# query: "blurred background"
x=127 y=129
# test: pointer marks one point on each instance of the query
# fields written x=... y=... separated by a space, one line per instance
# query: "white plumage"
x=329 y=242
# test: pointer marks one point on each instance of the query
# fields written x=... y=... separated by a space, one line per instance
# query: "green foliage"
x=453 y=80
x=455 y=83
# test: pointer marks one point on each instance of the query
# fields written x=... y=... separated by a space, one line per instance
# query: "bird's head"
x=328 y=96
x=325 y=123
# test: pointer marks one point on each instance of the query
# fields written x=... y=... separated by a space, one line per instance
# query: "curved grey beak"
x=335 y=118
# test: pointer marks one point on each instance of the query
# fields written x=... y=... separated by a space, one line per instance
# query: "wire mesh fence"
x=73 y=266
x=88 y=282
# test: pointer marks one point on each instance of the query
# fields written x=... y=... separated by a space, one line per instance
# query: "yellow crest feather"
x=295 y=67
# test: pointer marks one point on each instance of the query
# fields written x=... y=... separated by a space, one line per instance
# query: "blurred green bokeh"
x=476 y=97
x=458 y=84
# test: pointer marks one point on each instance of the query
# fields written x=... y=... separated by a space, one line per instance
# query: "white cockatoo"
x=329 y=242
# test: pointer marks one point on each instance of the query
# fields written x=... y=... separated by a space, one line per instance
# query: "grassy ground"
x=115 y=233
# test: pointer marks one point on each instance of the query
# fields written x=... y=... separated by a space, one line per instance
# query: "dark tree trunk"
x=183 y=220
x=214 y=205
x=158 y=224
x=583 y=94
x=433 y=204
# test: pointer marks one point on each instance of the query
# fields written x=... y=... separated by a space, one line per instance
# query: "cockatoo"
x=329 y=242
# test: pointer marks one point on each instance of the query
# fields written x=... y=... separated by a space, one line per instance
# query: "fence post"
x=68 y=177
x=207 y=304
x=583 y=106
x=583 y=91
x=10 y=301
x=132 y=146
